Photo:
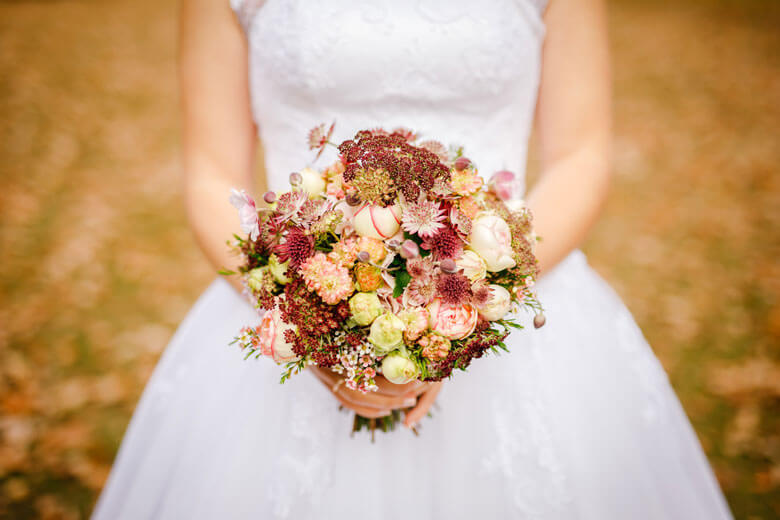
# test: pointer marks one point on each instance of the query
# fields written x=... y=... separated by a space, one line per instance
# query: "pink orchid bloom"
x=247 y=212
x=503 y=183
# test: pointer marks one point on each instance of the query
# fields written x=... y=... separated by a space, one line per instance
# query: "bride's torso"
x=461 y=72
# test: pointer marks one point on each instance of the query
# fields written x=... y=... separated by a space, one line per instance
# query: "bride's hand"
x=388 y=397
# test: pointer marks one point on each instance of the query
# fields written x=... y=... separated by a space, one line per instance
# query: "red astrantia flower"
x=454 y=288
x=319 y=137
x=444 y=244
x=481 y=293
x=423 y=217
x=436 y=147
x=420 y=267
x=297 y=247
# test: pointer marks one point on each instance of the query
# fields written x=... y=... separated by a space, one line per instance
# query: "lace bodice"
x=462 y=72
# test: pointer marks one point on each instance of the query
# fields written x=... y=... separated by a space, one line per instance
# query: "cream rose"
x=452 y=321
x=271 y=335
x=399 y=369
x=492 y=240
x=312 y=182
x=387 y=333
x=365 y=308
x=473 y=266
x=497 y=305
x=376 y=221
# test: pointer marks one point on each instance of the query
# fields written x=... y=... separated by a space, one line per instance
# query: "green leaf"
x=226 y=272
x=402 y=279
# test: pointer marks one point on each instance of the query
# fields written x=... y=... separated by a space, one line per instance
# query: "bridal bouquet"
x=396 y=259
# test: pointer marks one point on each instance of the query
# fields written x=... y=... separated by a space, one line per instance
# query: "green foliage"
x=402 y=279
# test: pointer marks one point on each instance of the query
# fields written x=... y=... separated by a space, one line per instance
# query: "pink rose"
x=271 y=336
x=452 y=321
x=247 y=212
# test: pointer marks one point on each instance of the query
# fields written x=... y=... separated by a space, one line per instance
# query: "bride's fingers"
x=388 y=388
x=369 y=413
x=384 y=387
x=414 y=415
x=370 y=400
x=374 y=400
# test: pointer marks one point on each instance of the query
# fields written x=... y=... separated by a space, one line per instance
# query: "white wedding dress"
x=577 y=422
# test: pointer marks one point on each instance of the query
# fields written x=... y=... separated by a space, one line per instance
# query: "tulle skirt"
x=578 y=421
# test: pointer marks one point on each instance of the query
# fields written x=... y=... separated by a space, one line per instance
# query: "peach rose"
x=452 y=321
x=271 y=335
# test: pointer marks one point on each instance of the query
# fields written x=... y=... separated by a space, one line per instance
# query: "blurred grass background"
x=98 y=266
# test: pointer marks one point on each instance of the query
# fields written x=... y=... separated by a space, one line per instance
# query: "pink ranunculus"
x=452 y=321
x=247 y=212
x=271 y=335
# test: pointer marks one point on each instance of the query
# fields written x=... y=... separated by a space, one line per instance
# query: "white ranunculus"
x=376 y=221
x=312 y=183
x=498 y=304
x=398 y=368
x=473 y=266
x=492 y=240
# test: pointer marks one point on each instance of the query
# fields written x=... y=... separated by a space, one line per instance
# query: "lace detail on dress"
x=304 y=465
x=448 y=70
x=526 y=458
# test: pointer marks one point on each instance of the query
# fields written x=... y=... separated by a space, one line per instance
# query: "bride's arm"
x=219 y=154
x=219 y=136
x=573 y=127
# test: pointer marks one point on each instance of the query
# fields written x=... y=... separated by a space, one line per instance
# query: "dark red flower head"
x=297 y=247
x=444 y=244
x=454 y=288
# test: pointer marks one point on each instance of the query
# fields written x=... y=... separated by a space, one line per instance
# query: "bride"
x=577 y=422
